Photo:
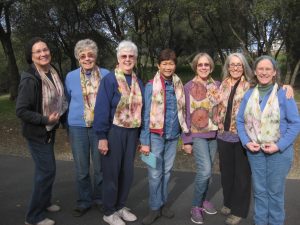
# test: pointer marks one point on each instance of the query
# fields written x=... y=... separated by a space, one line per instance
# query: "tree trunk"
x=13 y=71
x=295 y=73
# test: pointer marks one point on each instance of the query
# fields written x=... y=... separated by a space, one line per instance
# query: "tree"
x=5 y=37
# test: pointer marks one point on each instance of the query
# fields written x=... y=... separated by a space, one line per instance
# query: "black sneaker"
x=78 y=211
x=151 y=217
x=167 y=212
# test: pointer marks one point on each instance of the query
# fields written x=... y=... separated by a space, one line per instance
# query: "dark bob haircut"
x=28 y=48
x=167 y=54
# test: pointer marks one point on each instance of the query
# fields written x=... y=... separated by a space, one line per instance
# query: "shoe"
x=167 y=212
x=113 y=219
x=208 y=208
x=197 y=215
x=233 y=220
x=45 y=221
x=100 y=207
x=126 y=215
x=151 y=217
x=53 y=208
x=79 y=211
x=225 y=210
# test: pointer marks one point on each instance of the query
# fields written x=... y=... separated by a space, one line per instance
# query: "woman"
x=268 y=124
x=163 y=121
x=40 y=105
x=117 y=121
x=202 y=96
x=82 y=87
x=234 y=165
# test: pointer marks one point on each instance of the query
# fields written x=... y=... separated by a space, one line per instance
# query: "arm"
x=187 y=137
x=27 y=102
x=292 y=118
x=145 y=132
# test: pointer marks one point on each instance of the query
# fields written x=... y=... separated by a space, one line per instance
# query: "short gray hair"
x=127 y=46
x=247 y=71
x=83 y=45
x=194 y=63
x=277 y=78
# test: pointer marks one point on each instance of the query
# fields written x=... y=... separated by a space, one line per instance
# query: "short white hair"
x=126 y=45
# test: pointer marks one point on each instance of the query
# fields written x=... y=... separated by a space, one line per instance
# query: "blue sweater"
x=289 y=119
x=108 y=98
x=74 y=95
x=171 y=122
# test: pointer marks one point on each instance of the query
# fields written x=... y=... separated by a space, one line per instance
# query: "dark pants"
x=45 y=168
x=118 y=167
x=235 y=177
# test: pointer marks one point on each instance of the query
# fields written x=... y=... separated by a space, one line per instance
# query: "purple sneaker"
x=197 y=215
x=208 y=207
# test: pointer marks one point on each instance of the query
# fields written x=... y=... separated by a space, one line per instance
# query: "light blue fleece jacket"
x=289 y=119
x=74 y=95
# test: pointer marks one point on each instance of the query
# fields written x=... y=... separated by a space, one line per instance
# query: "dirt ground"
x=12 y=143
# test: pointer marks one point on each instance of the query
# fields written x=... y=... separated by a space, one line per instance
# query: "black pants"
x=118 y=167
x=235 y=177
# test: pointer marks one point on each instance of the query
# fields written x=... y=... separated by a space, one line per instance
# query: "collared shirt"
x=171 y=123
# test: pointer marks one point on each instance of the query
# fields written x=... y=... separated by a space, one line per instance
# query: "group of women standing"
x=106 y=110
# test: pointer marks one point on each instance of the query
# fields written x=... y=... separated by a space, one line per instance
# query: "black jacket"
x=29 y=108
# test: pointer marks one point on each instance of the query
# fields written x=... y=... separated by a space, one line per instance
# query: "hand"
x=103 y=146
x=53 y=118
x=145 y=149
x=253 y=147
x=188 y=148
x=270 y=148
x=289 y=91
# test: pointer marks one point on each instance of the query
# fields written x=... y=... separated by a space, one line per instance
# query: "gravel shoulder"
x=12 y=143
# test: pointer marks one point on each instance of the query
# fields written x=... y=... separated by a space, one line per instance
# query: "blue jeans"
x=204 y=151
x=45 y=169
x=84 y=143
x=268 y=175
x=165 y=151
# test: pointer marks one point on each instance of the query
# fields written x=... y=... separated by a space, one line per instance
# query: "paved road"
x=15 y=188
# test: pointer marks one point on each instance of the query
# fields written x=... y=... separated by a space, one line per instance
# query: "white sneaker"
x=113 y=219
x=53 y=208
x=45 y=221
x=126 y=215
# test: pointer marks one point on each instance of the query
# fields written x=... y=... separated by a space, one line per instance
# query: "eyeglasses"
x=232 y=65
x=38 y=52
x=203 y=65
x=127 y=56
x=84 y=56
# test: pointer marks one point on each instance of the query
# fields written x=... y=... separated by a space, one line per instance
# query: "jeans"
x=204 y=151
x=45 y=169
x=165 y=151
x=84 y=144
x=269 y=172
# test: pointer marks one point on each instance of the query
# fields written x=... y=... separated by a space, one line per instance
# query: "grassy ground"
x=12 y=142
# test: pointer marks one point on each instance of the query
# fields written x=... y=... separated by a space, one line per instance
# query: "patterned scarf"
x=263 y=126
x=129 y=108
x=54 y=100
x=89 y=87
x=225 y=89
x=157 y=112
x=203 y=106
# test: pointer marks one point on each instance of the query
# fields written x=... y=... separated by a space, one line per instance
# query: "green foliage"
x=7 y=108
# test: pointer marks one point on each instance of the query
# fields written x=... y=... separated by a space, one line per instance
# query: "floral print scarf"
x=203 y=106
x=129 y=108
x=157 y=111
x=263 y=126
x=225 y=89
x=89 y=86
x=54 y=99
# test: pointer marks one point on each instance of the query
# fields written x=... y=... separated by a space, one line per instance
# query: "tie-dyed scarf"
x=129 y=108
